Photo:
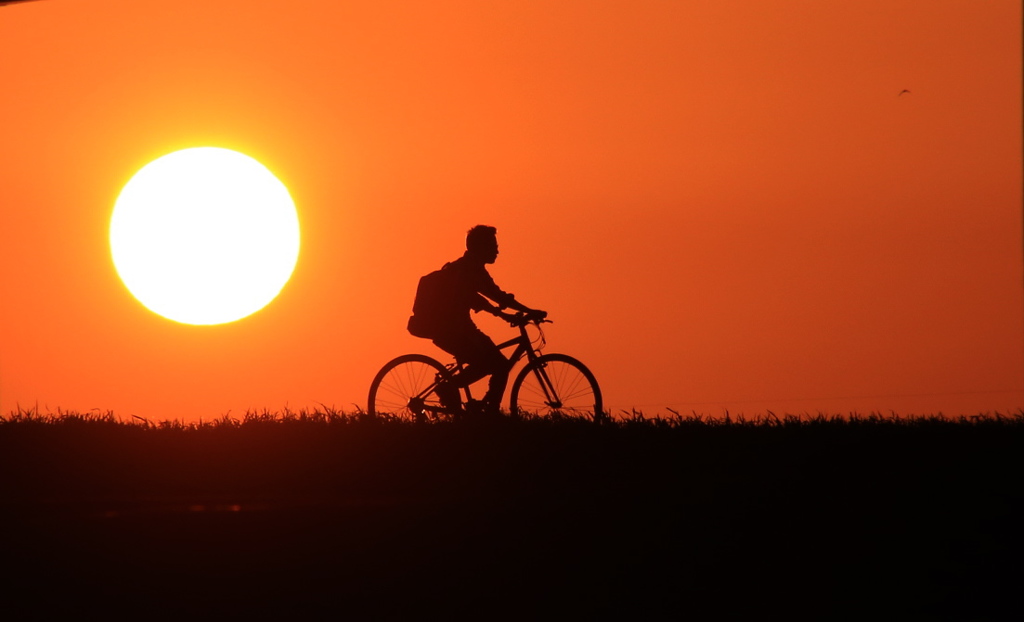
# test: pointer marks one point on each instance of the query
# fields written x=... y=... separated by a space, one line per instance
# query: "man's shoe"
x=449 y=397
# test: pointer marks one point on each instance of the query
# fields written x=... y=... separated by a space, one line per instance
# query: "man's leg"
x=499 y=367
x=480 y=357
x=456 y=344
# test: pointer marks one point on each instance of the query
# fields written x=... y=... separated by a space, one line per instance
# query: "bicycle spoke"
x=401 y=387
x=556 y=384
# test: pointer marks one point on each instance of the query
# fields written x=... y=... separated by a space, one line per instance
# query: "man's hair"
x=479 y=235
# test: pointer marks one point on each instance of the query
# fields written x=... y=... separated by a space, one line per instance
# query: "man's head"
x=482 y=243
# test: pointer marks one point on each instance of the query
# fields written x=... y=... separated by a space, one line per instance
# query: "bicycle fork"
x=550 y=396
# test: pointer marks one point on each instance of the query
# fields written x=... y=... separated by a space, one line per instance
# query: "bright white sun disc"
x=204 y=236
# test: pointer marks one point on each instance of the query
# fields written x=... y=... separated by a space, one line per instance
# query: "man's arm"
x=486 y=286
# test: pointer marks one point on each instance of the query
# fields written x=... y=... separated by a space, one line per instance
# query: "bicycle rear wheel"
x=404 y=387
x=556 y=384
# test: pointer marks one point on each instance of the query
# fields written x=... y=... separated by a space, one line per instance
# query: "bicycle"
x=549 y=384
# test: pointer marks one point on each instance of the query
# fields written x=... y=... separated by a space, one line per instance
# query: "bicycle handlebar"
x=522 y=319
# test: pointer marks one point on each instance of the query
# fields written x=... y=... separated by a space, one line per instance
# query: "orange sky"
x=721 y=204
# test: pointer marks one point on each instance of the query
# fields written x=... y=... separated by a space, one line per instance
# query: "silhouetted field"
x=344 y=515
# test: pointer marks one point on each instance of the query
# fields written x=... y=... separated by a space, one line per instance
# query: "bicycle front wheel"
x=405 y=387
x=556 y=384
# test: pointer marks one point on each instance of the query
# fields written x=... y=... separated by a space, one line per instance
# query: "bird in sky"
x=902 y=92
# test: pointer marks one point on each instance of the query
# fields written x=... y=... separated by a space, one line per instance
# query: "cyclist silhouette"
x=441 y=313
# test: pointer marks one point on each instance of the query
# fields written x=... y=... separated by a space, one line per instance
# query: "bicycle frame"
x=524 y=347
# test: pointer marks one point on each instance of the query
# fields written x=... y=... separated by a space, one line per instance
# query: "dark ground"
x=351 y=518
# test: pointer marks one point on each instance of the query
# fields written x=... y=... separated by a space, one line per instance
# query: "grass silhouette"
x=285 y=513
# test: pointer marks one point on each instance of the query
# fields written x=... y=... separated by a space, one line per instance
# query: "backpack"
x=437 y=301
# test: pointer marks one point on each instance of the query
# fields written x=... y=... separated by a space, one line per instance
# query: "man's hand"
x=536 y=315
x=511 y=318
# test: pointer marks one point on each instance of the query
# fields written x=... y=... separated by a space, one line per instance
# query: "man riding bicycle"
x=441 y=313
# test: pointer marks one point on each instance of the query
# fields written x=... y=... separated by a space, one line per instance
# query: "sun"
x=204 y=236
